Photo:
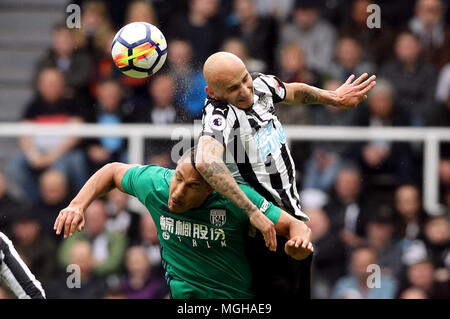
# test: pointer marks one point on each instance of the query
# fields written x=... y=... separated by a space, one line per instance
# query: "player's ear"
x=209 y=189
x=209 y=91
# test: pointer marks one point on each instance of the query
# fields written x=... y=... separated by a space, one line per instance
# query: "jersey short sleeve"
x=216 y=121
x=141 y=181
x=267 y=208
x=270 y=84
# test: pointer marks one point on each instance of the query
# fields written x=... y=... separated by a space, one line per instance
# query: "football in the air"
x=139 y=49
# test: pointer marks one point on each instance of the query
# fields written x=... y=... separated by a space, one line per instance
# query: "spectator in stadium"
x=96 y=26
x=447 y=198
x=409 y=213
x=202 y=26
x=420 y=275
x=148 y=238
x=356 y=284
x=329 y=260
x=189 y=80
x=35 y=247
x=376 y=43
x=259 y=33
x=440 y=116
x=413 y=79
x=141 y=282
x=437 y=242
x=444 y=177
x=85 y=282
x=110 y=109
x=279 y=9
x=103 y=67
x=74 y=63
x=141 y=11
x=40 y=152
x=54 y=196
x=429 y=24
x=121 y=219
x=293 y=69
x=349 y=209
x=108 y=248
x=169 y=194
x=164 y=110
x=380 y=237
x=384 y=163
x=413 y=293
x=293 y=66
x=310 y=31
x=238 y=47
x=10 y=205
x=16 y=273
x=349 y=59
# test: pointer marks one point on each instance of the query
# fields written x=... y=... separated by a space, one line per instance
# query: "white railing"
x=431 y=137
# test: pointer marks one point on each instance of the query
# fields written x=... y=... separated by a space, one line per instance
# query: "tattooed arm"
x=210 y=164
x=347 y=96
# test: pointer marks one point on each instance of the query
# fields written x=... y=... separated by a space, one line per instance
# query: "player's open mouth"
x=175 y=202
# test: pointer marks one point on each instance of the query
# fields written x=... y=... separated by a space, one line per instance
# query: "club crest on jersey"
x=218 y=122
x=218 y=217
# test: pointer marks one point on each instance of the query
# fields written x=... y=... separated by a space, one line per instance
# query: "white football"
x=139 y=49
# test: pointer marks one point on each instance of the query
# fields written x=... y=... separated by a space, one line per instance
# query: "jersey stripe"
x=245 y=167
x=16 y=274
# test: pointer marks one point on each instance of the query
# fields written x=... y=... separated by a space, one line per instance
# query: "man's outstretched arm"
x=210 y=164
x=299 y=244
x=104 y=180
x=347 y=96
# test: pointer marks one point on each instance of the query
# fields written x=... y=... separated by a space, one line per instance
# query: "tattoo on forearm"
x=311 y=95
x=215 y=168
x=218 y=176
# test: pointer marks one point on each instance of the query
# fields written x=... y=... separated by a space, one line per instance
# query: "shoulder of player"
x=219 y=114
x=213 y=106
x=151 y=171
x=262 y=83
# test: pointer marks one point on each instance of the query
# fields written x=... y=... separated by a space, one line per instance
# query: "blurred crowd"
x=364 y=198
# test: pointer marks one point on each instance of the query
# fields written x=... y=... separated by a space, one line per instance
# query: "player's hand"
x=266 y=227
x=298 y=248
x=71 y=219
x=350 y=94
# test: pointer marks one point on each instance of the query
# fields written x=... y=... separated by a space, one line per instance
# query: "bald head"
x=219 y=66
x=228 y=80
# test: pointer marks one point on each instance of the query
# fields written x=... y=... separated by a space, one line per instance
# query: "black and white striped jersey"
x=257 y=153
x=16 y=274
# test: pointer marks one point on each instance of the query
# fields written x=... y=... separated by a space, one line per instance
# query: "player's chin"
x=177 y=209
x=244 y=103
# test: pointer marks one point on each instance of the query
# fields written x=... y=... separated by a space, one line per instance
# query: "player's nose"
x=179 y=192
x=245 y=92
